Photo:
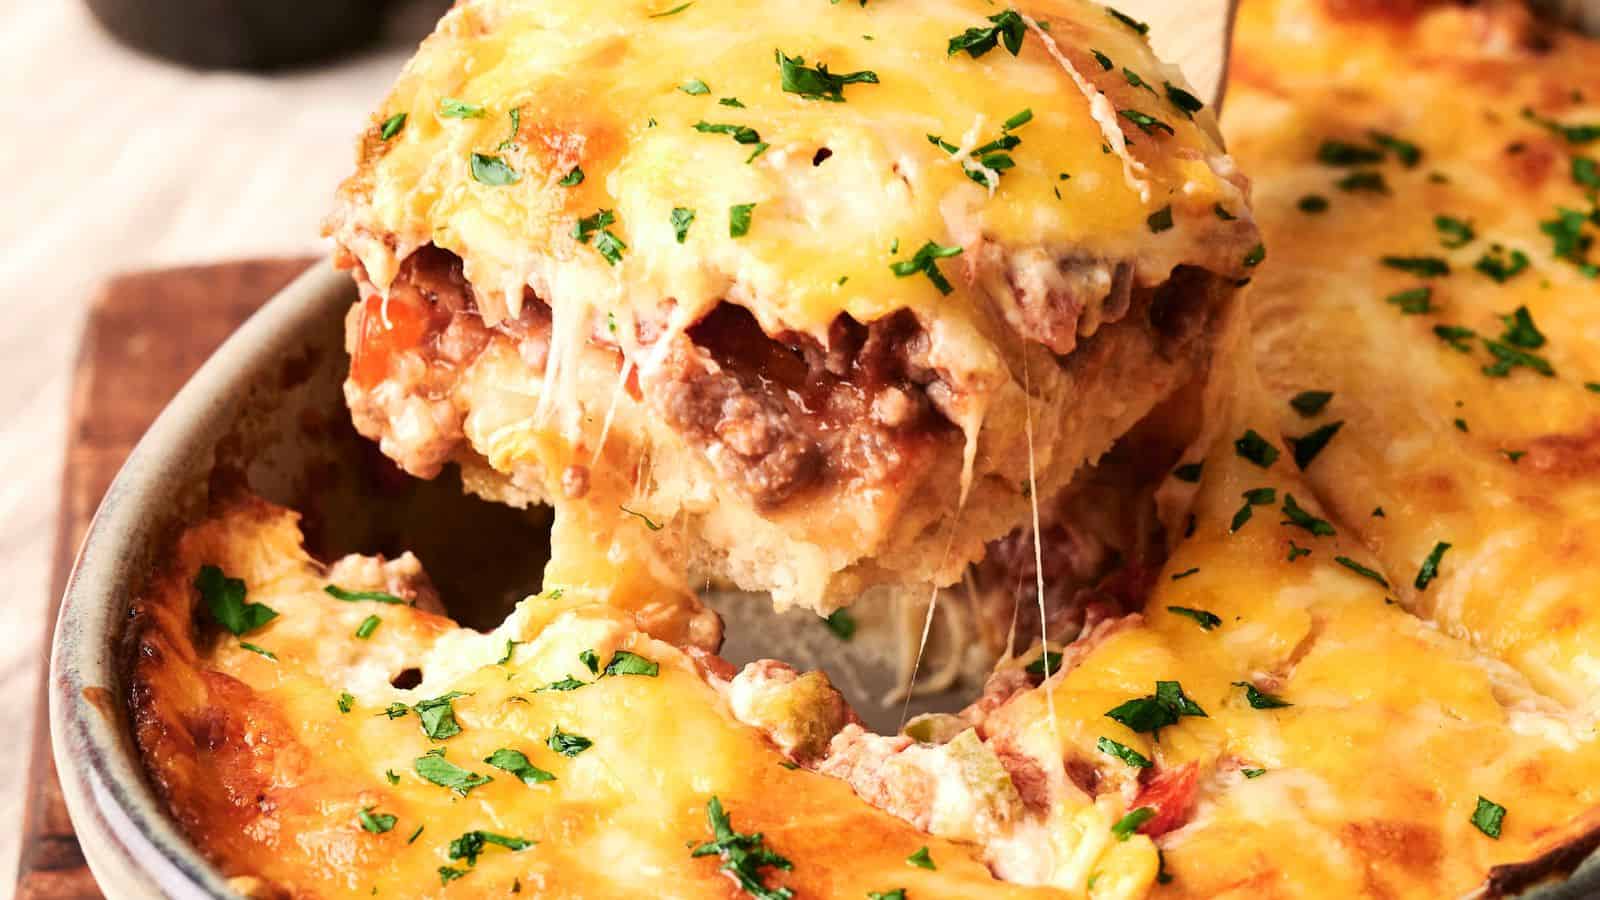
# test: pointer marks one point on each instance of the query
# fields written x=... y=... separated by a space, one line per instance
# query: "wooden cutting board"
x=146 y=334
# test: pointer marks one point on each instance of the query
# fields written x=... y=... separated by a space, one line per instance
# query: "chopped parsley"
x=1252 y=773
x=1586 y=172
x=1299 y=518
x=1147 y=123
x=1368 y=182
x=1341 y=153
x=1189 y=472
x=1312 y=204
x=1187 y=103
x=648 y=522
x=694 y=87
x=739 y=216
x=743 y=855
x=1488 y=817
x=731 y=101
x=1132 y=822
x=1361 y=570
x=1131 y=22
x=1520 y=330
x=1309 y=403
x=392 y=126
x=742 y=134
x=671 y=12
x=1456 y=336
x=588 y=658
x=1252 y=498
x=1008 y=28
x=1186 y=573
x=391 y=776
x=1430 y=566
x=1413 y=302
x=224 y=599
x=435 y=768
x=1502 y=267
x=572 y=178
x=1408 y=153
x=1259 y=699
x=922 y=860
x=1256 y=449
x=596 y=228
x=1123 y=752
x=347 y=701
x=566 y=743
x=1255 y=256
x=367 y=627
x=470 y=845
x=1575 y=134
x=1421 y=266
x=1307 y=446
x=438 y=716
x=1508 y=357
x=681 y=220
x=493 y=171
x=1296 y=551
x=926 y=261
x=1222 y=213
x=1046 y=662
x=377 y=823
x=566 y=684
x=339 y=593
x=841 y=623
x=516 y=128
x=1453 y=232
x=1160 y=220
x=451 y=108
x=448 y=874
x=896 y=894
x=626 y=663
x=1133 y=78
x=1206 y=620
x=1156 y=711
x=1570 y=243
x=259 y=650
x=817 y=83
x=1017 y=121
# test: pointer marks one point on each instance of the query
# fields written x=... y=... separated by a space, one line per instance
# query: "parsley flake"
x=1132 y=822
x=681 y=220
x=1498 y=265
x=739 y=216
x=470 y=845
x=1421 y=266
x=451 y=108
x=1341 y=153
x=1299 y=518
x=626 y=663
x=1361 y=570
x=1046 y=663
x=1307 y=446
x=1206 y=620
x=392 y=126
x=1259 y=699
x=1156 y=711
x=926 y=261
x=841 y=623
x=224 y=598
x=1147 y=123
x=694 y=87
x=817 y=83
x=258 y=650
x=566 y=743
x=1008 y=28
x=339 y=593
x=1430 y=566
x=1123 y=752
x=1413 y=302
x=435 y=768
x=1131 y=22
x=1488 y=816
x=377 y=823
x=1309 y=403
x=572 y=178
x=1256 y=449
x=743 y=855
x=922 y=860
x=492 y=171
x=1453 y=232
x=367 y=627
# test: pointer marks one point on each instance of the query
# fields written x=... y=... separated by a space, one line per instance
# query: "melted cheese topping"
x=270 y=776
x=616 y=90
x=1503 y=469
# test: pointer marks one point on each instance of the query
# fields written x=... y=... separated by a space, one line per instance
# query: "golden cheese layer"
x=283 y=753
x=511 y=102
x=1447 y=298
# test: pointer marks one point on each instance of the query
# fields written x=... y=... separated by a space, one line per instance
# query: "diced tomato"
x=1171 y=793
x=382 y=336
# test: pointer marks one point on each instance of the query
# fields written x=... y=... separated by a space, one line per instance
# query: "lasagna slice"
x=1427 y=319
x=803 y=299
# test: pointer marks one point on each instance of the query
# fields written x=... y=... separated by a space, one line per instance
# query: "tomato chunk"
x=382 y=334
x=1171 y=793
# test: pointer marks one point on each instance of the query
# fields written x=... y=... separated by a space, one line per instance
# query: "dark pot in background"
x=243 y=34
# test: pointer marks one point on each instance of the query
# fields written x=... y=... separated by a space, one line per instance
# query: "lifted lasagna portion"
x=813 y=297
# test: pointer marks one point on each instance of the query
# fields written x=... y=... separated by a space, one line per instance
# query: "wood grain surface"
x=146 y=333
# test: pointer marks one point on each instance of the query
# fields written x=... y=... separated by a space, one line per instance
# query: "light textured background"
x=115 y=161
